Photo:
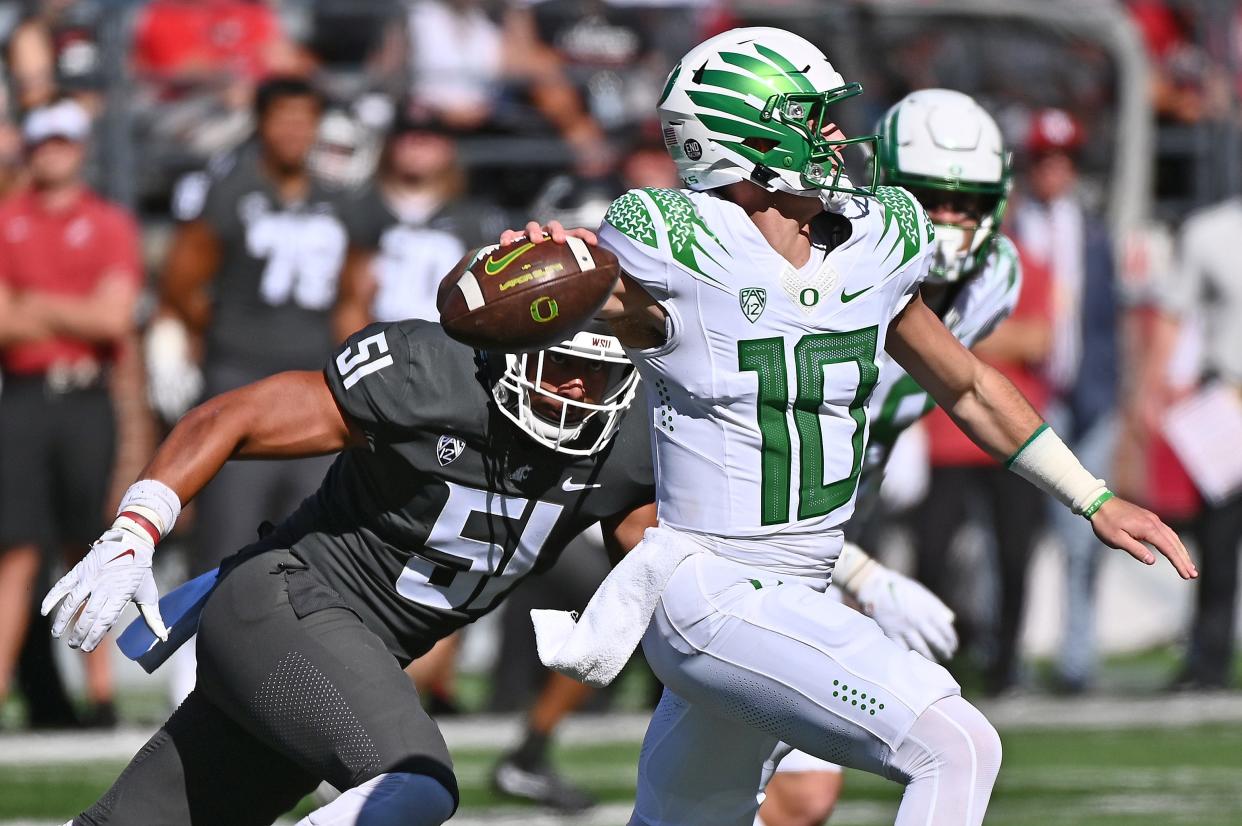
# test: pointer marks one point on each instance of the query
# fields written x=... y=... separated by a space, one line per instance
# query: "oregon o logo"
x=543 y=309
x=693 y=150
x=809 y=297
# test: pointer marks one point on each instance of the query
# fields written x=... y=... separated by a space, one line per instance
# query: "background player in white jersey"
x=755 y=317
x=947 y=151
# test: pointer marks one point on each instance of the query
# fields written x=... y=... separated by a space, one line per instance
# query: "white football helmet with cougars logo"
x=945 y=148
x=749 y=105
x=582 y=428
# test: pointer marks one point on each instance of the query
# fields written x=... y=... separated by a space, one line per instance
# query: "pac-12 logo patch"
x=753 y=300
x=448 y=449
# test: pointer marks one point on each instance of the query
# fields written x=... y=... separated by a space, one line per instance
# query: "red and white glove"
x=116 y=570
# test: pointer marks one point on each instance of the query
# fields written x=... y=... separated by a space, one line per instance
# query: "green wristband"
x=1038 y=431
x=1090 y=510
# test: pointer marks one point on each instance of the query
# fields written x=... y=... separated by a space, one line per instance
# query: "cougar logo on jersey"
x=753 y=300
x=448 y=449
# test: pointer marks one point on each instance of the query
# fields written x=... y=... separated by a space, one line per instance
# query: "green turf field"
x=1126 y=777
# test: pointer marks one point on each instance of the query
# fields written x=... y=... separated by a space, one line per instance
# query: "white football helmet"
x=345 y=151
x=582 y=428
x=944 y=147
x=748 y=105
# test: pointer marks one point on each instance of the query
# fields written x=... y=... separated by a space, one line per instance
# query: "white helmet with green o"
x=947 y=150
x=750 y=105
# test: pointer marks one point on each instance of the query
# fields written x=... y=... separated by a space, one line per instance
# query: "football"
x=525 y=296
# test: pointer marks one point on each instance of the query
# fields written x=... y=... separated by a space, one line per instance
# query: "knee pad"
x=951 y=735
x=392 y=799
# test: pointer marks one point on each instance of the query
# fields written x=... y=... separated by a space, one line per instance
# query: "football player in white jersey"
x=756 y=318
x=947 y=151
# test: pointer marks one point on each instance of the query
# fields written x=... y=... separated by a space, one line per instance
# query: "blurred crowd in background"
x=198 y=193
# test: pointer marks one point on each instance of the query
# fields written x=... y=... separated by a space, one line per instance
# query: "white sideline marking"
x=498 y=731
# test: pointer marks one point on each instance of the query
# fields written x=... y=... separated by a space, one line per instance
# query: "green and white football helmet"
x=947 y=150
x=749 y=105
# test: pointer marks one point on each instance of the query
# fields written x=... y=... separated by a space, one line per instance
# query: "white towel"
x=595 y=648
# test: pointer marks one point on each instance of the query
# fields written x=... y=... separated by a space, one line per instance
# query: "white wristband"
x=154 y=501
x=853 y=568
x=1049 y=465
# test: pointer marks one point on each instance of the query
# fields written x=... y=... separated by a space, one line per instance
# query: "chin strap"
x=835 y=201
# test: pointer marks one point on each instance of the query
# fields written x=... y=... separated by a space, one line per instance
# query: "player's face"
x=288 y=130
x=570 y=377
x=965 y=210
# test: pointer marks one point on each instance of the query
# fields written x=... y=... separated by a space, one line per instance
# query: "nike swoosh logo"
x=846 y=298
x=129 y=552
x=569 y=486
x=493 y=267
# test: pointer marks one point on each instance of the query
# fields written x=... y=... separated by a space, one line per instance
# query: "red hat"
x=1053 y=130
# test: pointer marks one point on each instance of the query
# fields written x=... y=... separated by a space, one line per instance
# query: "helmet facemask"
x=961 y=247
x=576 y=428
x=816 y=158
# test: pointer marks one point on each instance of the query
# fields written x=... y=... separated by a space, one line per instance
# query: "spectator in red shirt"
x=69 y=277
x=181 y=38
x=961 y=472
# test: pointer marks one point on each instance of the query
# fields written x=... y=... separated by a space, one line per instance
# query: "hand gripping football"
x=525 y=296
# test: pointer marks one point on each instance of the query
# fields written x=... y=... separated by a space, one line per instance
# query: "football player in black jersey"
x=459 y=474
x=252 y=270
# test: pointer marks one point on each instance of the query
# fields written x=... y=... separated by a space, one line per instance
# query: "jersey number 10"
x=813 y=352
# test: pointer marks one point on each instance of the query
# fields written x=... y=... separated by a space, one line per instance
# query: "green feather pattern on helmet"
x=778 y=104
x=668 y=84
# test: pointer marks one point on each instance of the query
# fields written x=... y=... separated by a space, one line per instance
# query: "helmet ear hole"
x=761 y=145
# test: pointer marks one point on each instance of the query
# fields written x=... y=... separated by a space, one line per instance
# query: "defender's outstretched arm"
x=285 y=416
x=995 y=415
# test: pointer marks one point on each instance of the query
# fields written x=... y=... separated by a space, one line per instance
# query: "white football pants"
x=751 y=658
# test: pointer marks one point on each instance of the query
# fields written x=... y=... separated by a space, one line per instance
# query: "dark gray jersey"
x=276 y=283
x=450 y=505
x=412 y=253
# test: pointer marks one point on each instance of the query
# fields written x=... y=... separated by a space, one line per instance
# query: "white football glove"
x=174 y=380
x=117 y=569
x=906 y=611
